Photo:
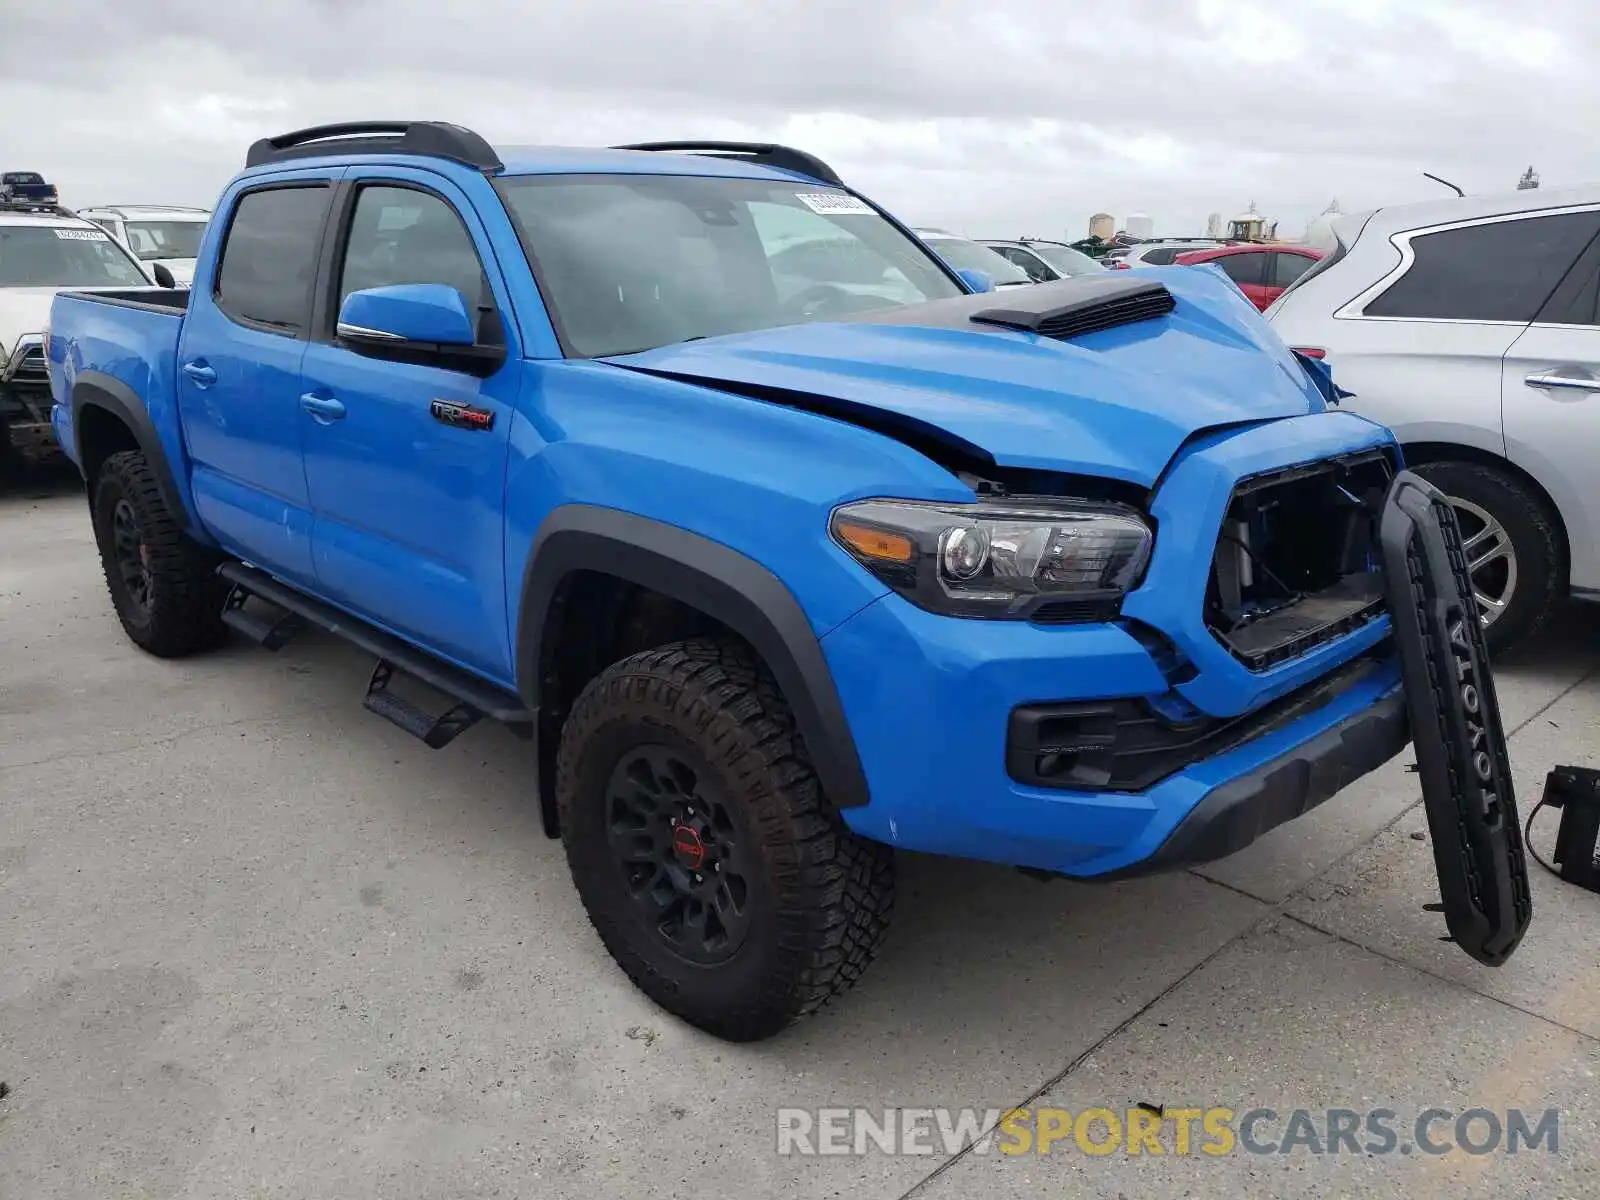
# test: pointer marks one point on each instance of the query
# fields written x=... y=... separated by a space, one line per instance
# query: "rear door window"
x=1243 y=268
x=1496 y=271
x=1289 y=267
x=269 y=260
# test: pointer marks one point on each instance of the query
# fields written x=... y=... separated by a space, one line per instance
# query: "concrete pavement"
x=258 y=943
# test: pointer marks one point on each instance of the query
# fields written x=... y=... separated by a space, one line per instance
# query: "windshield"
x=22 y=178
x=49 y=256
x=165 y=239
x=970 y=256
x=1066 y=260
x=631 y=262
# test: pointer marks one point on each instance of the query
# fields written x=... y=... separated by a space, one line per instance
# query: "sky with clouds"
x=999 y=119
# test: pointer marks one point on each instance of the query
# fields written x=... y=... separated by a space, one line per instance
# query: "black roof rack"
x=41 y=208
x=431 y=139
x=785 y=158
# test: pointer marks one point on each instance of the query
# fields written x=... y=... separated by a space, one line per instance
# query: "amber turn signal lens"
x=875 y=543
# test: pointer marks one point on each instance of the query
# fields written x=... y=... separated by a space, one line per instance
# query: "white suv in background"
x=158 y=235
x=1153 y=254
x=41 y=253
x=1472 y=328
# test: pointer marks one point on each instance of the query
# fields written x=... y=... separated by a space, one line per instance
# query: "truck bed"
x=119 y=341
x=157 y=299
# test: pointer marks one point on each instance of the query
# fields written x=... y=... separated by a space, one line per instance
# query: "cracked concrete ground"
x=258 y=943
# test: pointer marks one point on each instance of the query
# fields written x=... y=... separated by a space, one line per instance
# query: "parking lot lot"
x=256 y=942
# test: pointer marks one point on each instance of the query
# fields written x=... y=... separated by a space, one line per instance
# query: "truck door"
x=239 y=371
x=407 y=492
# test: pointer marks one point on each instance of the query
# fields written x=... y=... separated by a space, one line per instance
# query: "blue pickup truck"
x=782 y=570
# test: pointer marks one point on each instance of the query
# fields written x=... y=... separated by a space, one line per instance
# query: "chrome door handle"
x=323 y=408
x=197 y=370
x=1571 y=383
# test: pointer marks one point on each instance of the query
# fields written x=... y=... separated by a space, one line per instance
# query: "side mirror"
x=977 y=281
x=426 y=323
x=164 y=277
x=407 y=312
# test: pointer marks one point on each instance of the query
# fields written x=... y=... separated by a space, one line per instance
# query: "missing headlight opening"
x=1296 y=562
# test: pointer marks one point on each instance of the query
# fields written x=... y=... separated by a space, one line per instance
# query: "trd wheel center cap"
x=688 y=847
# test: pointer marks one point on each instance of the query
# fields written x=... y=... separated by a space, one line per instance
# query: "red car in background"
x=1262 y=272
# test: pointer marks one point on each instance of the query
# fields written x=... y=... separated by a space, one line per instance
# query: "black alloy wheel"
x=681 y=851
x=131 y=553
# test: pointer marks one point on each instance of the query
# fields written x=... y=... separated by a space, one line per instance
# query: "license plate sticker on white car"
x=834 y=204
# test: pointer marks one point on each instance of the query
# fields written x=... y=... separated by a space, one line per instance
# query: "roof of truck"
x=384 y=142
x=572 y=160
x=562 y=160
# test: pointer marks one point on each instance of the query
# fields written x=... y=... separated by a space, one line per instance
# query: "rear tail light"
x=1310 y=351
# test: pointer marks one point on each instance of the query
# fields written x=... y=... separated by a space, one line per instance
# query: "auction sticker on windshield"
x=831 y=204
x=80 y=235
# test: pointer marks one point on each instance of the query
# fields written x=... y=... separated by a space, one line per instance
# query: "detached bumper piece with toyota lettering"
x=786 y=546
x=1461 y=745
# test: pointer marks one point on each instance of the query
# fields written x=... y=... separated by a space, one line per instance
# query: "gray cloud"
x=1017 y=115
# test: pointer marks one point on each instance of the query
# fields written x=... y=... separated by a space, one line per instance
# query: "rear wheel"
x=715 y=871
x=1513 y=546
x=162 y=582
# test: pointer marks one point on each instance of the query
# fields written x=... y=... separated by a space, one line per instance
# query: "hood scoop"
x=1081 y=305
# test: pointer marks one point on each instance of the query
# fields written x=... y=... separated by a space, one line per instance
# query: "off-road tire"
x=822 y=895
x=184 y=612
x=1536 y=541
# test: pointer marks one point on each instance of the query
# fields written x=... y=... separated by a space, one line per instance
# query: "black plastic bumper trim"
x=1241 y=810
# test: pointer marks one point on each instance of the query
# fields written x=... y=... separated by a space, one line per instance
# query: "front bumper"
x=32 y=441
x=1241 y=810
x=931 y=699
x=25 y=401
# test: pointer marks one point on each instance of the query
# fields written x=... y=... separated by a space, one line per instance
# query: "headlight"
x=999 y=558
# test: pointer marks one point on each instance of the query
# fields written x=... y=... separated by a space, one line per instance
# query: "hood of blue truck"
x=1117 y=403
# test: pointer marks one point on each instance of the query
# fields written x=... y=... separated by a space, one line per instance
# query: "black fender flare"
x=95 y=389
x=718 y=581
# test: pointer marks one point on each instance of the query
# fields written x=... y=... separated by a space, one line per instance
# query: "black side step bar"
x=475 y=699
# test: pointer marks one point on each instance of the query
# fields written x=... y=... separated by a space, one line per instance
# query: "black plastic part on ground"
x=1455 y=724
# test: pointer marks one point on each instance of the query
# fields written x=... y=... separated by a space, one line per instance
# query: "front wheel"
x=1513 y=546
x=713 y=868
x=162 y=582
